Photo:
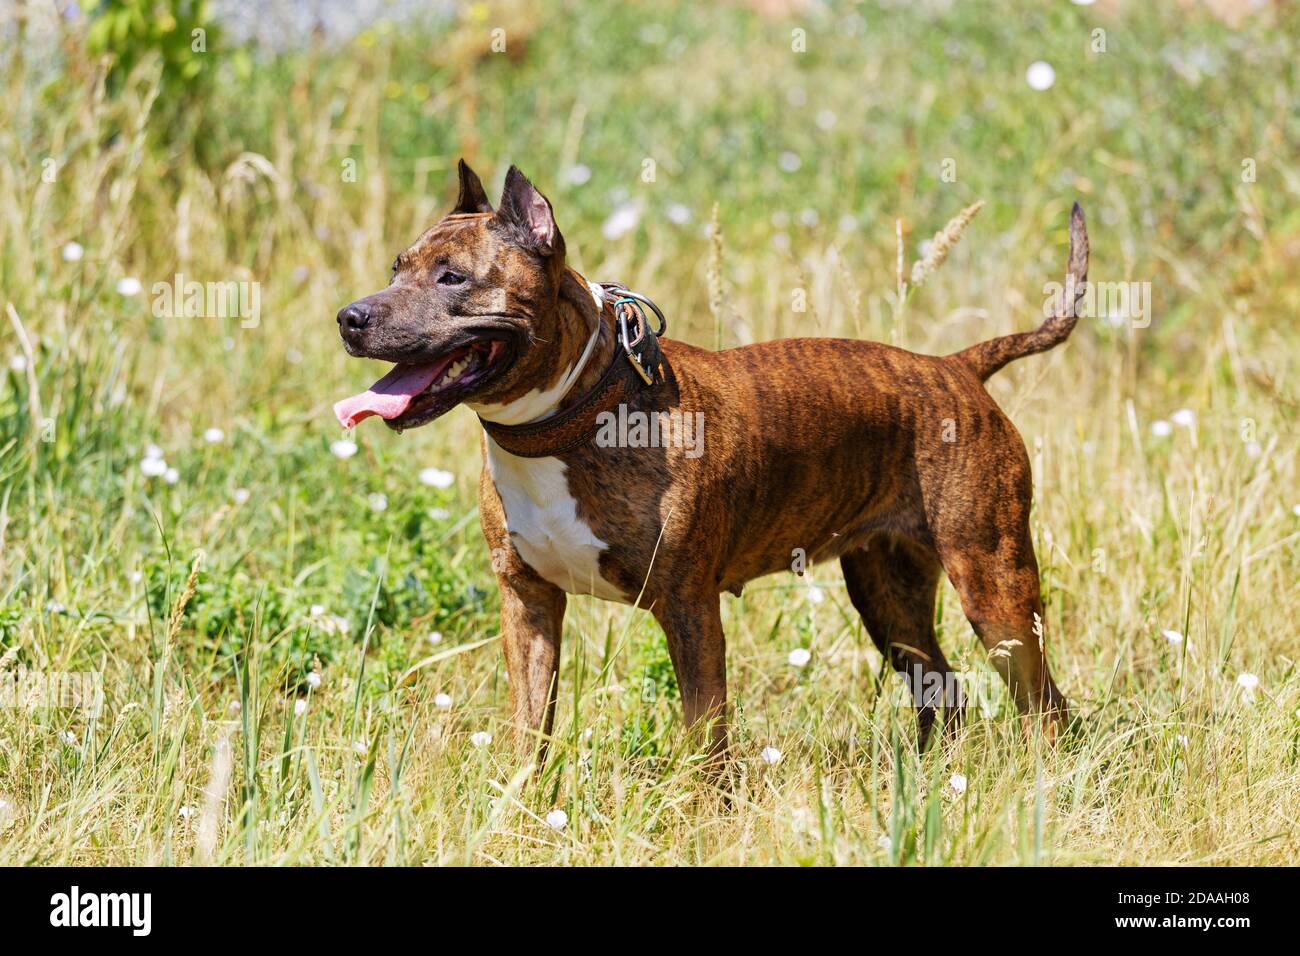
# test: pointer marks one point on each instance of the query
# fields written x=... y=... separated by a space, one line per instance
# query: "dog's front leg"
x=698 y=650
x=532 y=616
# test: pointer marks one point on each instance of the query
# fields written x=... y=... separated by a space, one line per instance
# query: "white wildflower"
x=1040 y=75
x=334 y=624
x=153 y=467
x=621 y=221
x=436 y=478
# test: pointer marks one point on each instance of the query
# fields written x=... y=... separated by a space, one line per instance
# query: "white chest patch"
x=542 y=518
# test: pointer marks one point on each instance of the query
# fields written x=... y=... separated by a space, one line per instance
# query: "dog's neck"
x=584 y=347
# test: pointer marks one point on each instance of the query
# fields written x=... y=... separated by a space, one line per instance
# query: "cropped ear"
x=529 y=214
x=472 y=197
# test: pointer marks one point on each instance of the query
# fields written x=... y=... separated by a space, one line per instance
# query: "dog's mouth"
x=413 y=394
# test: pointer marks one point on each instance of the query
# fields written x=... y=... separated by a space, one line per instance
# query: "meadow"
x=295 y=628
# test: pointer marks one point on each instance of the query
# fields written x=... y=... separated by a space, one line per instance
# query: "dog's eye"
x=451 y=278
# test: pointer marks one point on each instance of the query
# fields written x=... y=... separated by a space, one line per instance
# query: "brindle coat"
x=901 y=465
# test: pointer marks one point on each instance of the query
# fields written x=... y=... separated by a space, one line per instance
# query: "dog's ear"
x=529 y=215
x=472 y=197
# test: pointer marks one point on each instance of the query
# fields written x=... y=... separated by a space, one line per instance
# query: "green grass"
x=198 y=755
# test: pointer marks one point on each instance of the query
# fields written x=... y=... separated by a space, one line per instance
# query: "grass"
x=207 y=604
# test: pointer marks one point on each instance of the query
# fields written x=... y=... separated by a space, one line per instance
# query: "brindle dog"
x=901 y=465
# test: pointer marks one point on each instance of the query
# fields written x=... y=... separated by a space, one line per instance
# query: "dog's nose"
x=354 y=316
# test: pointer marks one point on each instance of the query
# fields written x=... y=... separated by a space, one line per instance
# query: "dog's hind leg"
x=697 y=647
x=892 y=585
x=999 y=595
x=988 y=553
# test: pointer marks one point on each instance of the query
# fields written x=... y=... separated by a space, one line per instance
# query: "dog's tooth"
x=454 y=372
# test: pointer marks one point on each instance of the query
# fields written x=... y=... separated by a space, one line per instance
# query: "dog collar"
x=637 y=363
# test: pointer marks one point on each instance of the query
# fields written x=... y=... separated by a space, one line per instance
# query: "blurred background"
x=761 y=169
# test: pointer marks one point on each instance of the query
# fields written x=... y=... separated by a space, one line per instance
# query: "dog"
x=898 y=464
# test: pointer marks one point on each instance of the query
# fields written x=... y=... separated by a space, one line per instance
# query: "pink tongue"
x=391 y=395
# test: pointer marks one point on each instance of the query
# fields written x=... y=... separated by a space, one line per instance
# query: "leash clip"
x=624 y=307
x=626 y=294
x=641 y=350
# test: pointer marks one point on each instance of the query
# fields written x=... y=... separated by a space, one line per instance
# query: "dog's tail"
x=987 y=357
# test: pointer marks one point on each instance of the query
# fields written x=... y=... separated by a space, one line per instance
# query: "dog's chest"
x=542 y=518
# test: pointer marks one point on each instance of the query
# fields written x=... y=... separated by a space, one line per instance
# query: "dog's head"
x=466 y=311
